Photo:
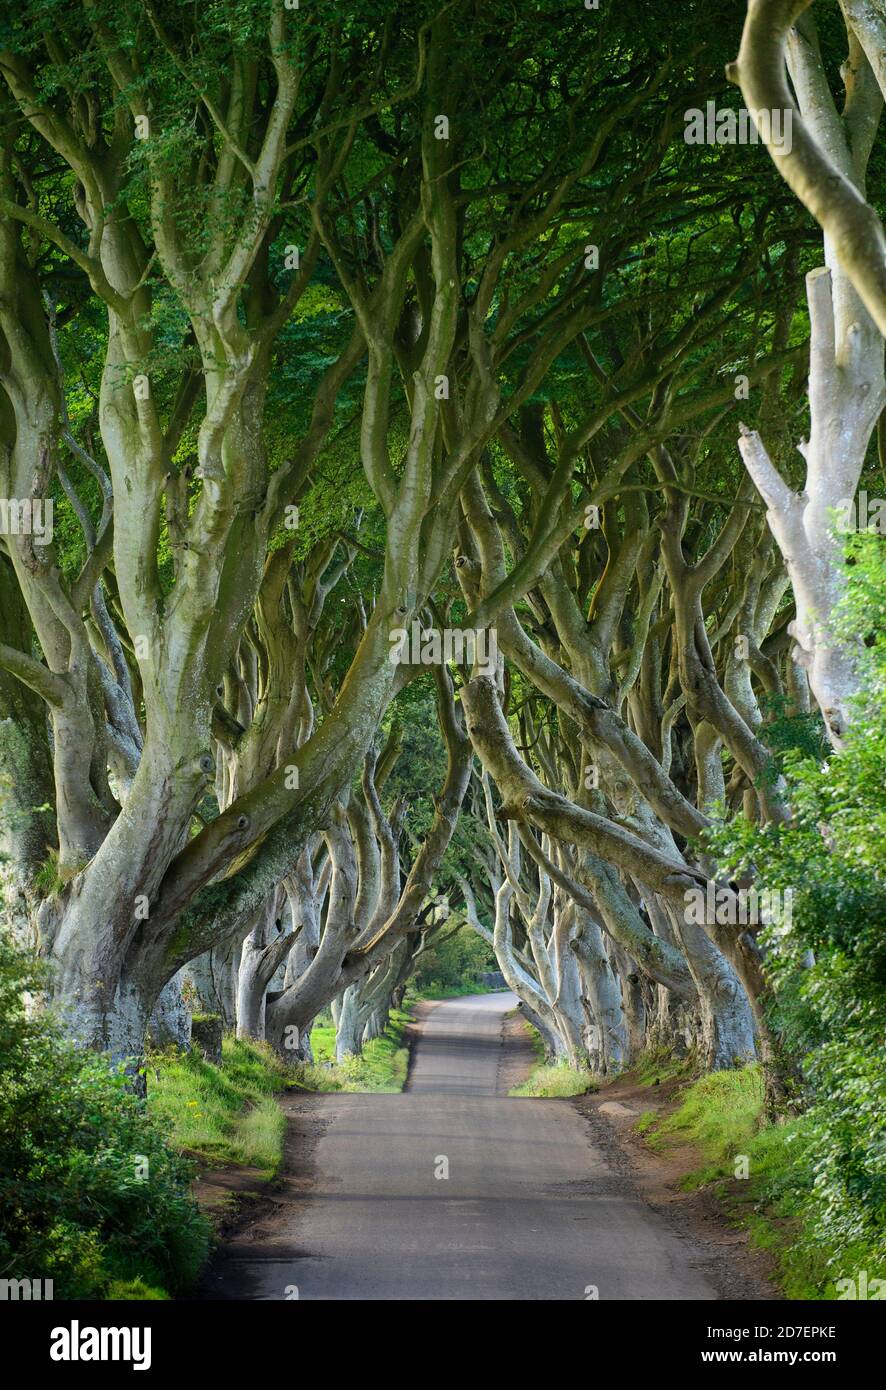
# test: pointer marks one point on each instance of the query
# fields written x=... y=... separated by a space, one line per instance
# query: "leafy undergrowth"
x=382 y=1065
x=91 y=1194
x=768 y=1176
x=557 y=1080
x=226 y=1114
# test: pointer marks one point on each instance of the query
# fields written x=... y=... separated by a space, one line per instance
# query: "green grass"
x=135 y=1290
x=535 y=1037
x=226 y=1114
x=557 y=1080
x=381 y=1067
x=720 y=1115
x=546 y=1079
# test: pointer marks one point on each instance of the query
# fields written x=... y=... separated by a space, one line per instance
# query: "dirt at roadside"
x=738 y=1270
x=240 y=1202
x=518 y=1056
x=244 y=1209
x=249 y=1213
x=224 y=1193
x=412 y=1030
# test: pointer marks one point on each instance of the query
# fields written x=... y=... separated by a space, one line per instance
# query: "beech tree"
x=826 y=166
x=192 y=180
x=324 y=332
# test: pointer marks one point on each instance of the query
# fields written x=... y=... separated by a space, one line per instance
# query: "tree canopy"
x=426 y=466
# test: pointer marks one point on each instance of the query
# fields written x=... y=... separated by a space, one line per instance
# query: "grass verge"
x=659 y=1064
x=765 y=1176
x=551 y=1079
x=557 y=1080
x=548 y=1079
x=381 y=1067
x=226 y=1114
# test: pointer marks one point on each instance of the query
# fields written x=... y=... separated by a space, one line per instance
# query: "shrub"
x=90 y=1194
x=827 y=963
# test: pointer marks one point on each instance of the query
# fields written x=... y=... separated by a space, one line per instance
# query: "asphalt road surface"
x=454 y=1191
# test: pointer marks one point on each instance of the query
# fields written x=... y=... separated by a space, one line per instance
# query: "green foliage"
x=90 y=1194
x=828 y=963
x=781 y=1200
x=382 y=1066
x=785 y=731
x=224 y=1114
x=454 y=966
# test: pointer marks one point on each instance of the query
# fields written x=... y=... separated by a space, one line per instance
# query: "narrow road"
x=453 y=1191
